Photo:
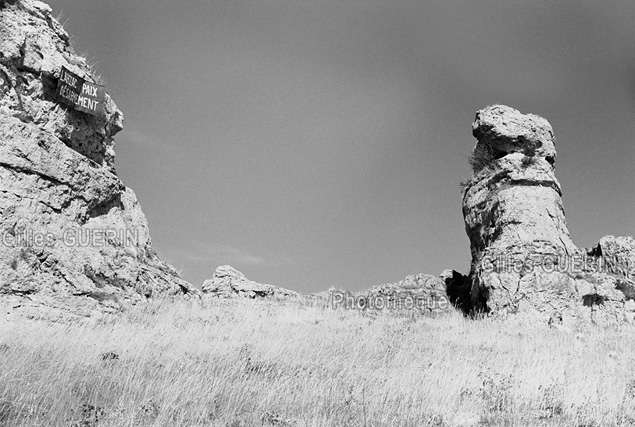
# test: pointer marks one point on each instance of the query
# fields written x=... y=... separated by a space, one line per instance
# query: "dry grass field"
x=248 y=363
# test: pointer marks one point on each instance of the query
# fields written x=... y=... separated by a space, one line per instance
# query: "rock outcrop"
x=523 y=259
x=422 y=292
x=73 y=237
x=227 y=282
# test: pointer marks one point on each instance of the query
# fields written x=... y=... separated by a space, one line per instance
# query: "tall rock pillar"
x=523 y=258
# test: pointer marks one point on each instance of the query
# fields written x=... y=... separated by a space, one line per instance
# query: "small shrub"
x=630 y=390
x=552 y=401
x=434 y=420
x=481 y=157
x=275 y=419
x=87 y=416
x=464 y=184
x=149 y=411
x=109 y=356
x=496 y=391
x=528 y=161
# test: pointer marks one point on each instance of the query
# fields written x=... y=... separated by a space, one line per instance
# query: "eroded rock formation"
x=523 y=259
x=227 y=282
x=73 y=237
x=422 y=292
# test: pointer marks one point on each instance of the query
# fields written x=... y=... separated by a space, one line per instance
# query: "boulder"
x=227 y=282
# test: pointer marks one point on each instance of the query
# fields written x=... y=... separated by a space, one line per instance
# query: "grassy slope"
x=246 y=363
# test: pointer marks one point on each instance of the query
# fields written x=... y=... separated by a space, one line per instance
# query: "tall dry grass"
x=246 y=363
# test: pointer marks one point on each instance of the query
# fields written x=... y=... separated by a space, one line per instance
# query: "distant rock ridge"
x=423 y=292
x=524 y=262
x=227 y=282
x=72 y=235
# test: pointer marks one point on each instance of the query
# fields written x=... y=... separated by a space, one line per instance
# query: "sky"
x=319 y=143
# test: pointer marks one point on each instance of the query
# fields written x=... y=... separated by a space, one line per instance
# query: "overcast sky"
x=318 y=143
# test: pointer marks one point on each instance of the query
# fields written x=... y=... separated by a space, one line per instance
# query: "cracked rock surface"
x=73 y=237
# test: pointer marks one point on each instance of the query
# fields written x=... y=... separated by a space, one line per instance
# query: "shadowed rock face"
x=523 y=259
x=458 y=289
x=73 y=237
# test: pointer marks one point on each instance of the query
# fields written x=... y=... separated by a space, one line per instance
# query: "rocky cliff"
x=523 y=259
x=73 y=237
